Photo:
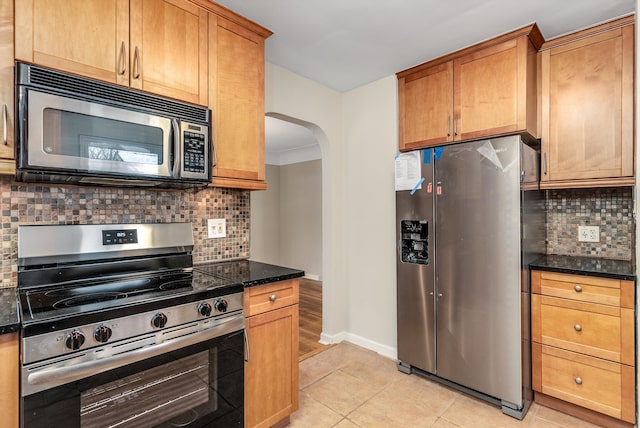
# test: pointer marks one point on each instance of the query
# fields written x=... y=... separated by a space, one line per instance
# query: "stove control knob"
x=159 y=320
x=221 y=305
x=74 y=340
x=102 y=333
x=204 y=309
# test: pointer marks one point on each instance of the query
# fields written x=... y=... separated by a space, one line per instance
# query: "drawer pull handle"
x=272 y=297
x=578 y=289
x=577 y=327
x=579 y=380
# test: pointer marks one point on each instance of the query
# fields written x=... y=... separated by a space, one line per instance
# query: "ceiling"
x=344 y=44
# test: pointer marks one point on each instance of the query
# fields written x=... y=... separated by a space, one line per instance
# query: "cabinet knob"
x=272 y=297
x=579 y=380
x=578 y=289
x=577 y=327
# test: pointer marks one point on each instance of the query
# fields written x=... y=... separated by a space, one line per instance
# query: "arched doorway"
x=286 y=219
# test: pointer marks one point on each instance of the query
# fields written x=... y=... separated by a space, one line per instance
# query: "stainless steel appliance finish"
x=114 y=317
x=462 y=268
x=89 y=132
x=55 y=243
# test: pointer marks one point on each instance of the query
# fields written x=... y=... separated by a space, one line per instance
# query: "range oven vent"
x=106 y=93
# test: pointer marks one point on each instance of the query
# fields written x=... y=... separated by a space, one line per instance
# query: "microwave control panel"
x=195 y=151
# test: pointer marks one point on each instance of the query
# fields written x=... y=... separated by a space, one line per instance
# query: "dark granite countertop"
x=249 y=272
x=617 y=269
x=9 y=318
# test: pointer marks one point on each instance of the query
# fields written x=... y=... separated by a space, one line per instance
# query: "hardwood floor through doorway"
x=310 y=315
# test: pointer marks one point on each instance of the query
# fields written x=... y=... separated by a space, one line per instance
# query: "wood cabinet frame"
x=584 y=295
x=450 y=104
x=620 y=145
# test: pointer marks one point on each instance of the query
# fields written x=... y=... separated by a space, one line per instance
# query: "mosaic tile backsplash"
x=30 y=203
x=609 y=208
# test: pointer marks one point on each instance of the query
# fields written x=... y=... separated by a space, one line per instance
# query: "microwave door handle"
x=177 y=154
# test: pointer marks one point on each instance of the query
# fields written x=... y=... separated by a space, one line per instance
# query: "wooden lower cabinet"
x=9 y=379
x=271 y=370
x=583 y=345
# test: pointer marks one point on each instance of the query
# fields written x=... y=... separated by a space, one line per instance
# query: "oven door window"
x=75 y=134
x=198 y=386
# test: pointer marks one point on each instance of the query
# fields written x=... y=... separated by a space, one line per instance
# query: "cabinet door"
x=237 y=101
x=271 y=373
x=86 y=37
x=6 y=86
x=169 y=46
x=426 y=107
x=486 y=92
x=9 y=394
x=587 y=107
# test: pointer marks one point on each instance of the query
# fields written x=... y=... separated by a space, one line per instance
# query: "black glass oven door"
x=198 y=386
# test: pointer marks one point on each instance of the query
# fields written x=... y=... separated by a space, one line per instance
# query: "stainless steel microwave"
x=81 y=131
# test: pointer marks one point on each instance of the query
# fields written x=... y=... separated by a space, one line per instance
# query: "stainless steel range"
x=118 y=330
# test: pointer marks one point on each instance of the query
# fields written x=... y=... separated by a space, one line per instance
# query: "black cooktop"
x=94 y=300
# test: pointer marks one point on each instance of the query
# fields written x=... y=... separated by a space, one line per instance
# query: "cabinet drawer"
x=596 y=384
x=599 y=330
x=591 y=289
x=263 y=298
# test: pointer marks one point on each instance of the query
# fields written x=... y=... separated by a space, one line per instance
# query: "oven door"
x=60 y=133
x=200 y=385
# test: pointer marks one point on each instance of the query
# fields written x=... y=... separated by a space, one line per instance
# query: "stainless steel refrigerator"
x=465 y=237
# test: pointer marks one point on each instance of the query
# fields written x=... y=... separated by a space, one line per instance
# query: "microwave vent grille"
x=113 y=95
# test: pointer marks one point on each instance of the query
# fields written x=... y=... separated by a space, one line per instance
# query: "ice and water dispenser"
x=415 y=241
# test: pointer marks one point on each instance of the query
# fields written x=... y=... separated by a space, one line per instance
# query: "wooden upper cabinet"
x=169 y=48
x=7 y=89
x=86 y=37
x=236 y=88
x=587 y=107
x=156 y=45
x=427 y=108
x=482 y=91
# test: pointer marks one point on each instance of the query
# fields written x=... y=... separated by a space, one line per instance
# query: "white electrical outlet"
x=589 y=233
x=216 y=228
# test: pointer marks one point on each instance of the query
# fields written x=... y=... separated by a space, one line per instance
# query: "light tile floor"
x=348 y=386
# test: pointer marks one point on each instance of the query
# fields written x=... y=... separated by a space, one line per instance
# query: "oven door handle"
x=62 y=375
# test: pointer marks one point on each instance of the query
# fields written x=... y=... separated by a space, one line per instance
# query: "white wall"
x=371 y=136
x=320 y=109
x=286 y=219
x=357 y=132
x=300 y=221
x=264 y=245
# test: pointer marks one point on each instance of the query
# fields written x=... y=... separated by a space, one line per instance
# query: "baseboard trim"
x=384 y=350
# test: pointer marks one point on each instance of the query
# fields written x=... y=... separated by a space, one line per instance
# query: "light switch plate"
x=216 y=228
x=589 y=233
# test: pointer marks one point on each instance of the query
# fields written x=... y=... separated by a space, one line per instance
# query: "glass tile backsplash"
x=609 y=208
x=31 y=203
